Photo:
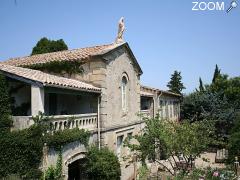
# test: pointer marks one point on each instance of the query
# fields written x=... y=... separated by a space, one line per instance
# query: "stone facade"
x=117 y=74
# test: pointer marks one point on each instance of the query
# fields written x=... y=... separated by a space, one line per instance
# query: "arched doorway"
x=77 y=170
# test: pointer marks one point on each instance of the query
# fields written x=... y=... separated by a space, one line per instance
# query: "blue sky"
x=164 y=35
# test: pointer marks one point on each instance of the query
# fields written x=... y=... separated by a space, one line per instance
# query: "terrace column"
x=37 y=100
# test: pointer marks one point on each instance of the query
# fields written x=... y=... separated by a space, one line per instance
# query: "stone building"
x=105 y=98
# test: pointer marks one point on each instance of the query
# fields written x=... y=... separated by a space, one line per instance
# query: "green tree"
x=185 y=140
x=220 y=102
x=45 y=45
x=175 y=84
x=201 y=87
x=102 y=164
x=217 y=72
x=229 y=87
x=234 y=141
x=5 y=110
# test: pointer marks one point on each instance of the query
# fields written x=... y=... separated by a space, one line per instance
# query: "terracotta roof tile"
x=145 y=88
x=48 y=79
x=143 y=93
x=67 y=55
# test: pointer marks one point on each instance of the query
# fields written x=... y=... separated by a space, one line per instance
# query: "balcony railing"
x=60 y=122
x=81 y=121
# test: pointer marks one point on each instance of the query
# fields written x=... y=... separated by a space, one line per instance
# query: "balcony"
x=60 y=122
x=81 y=121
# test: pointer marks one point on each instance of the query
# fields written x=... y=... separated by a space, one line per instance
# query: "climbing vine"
x=60 y=67
x=21 y=153
x=5 y=110
x=61 y=138
x=22 y=150
x=54 y=173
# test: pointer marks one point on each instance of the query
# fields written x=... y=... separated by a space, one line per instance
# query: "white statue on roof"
x=121 y=28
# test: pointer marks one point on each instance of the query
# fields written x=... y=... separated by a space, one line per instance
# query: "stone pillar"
x=37 y=100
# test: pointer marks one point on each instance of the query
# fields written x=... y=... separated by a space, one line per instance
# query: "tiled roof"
x=145 y=88
x=143 y=93
x=67 y=55
x=47 y=79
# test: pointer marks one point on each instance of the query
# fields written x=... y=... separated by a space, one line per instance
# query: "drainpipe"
x=158 y=101
x=98 y=123
x=153 y=104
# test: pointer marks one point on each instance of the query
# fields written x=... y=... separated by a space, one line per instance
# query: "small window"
x=124 y=93
x=171 y=109
x=119 y=145
x=166 y=110
x=161 y=105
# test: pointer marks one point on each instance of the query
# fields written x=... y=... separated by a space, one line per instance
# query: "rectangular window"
x=175 y=109
x=161 y=108
x=119 y=145
x=171 y=109
x=166 y=110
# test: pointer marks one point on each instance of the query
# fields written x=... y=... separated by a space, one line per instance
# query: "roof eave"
x=40 y=84
x=73 y=88
x=22 y=79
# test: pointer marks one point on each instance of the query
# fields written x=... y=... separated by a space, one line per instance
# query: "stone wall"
x=70 y=153
x=173 y=101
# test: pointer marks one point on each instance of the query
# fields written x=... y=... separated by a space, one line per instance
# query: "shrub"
x=234 y=142
x=5 y=112
x=102 y=164
x=21 y=153
x=143 y=172
x=207 y=174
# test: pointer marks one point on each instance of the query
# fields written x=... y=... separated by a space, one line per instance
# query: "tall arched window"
x=124 y=93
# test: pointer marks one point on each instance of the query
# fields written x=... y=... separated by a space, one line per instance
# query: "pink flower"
x=216 y=174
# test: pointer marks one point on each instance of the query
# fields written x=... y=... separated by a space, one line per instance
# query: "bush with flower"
x=207 y=174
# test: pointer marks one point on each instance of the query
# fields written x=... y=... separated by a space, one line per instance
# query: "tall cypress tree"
x=5 y=110
x=216 y=74
x=175 y=84
x=201 y=87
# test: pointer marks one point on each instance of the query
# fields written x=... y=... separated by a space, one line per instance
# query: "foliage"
x=185 y=140
x=143 y=172
x=54 y=173
x=60 y=67
x=50 y=174
x=61 y=138
x=58 y=170
x=5 y=112
x=175 y=84
x=21 y=153
x=209 y=105
x=234 y=141
x=216 y=74
x=229 y=87
x=220 y=102
x=201 y=86
x=207 y=174
x=23 y=149
x=45 y=45
x=102 y=164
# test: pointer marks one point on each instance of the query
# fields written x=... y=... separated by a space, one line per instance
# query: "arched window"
x=124 y=93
